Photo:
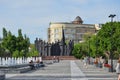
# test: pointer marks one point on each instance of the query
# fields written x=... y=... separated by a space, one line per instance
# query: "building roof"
x=78 y=20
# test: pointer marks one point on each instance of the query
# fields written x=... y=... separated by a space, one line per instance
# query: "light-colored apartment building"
x=72 y=30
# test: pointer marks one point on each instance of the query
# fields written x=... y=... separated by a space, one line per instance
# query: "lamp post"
x=111 y=52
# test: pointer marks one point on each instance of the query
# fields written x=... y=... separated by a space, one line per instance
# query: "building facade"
x=74 y=30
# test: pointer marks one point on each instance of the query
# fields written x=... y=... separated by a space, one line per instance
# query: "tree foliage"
x=107 y=39
x=4 y=33
x=33 y=51
x=1 y=49
x=16 y=46
x=82 y=49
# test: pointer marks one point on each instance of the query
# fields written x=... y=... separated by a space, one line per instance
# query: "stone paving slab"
x=65 y=70
x=39 y=77
x=56 y=71
x=93 y=73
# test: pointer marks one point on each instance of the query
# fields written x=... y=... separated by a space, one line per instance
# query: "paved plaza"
x=65 y=70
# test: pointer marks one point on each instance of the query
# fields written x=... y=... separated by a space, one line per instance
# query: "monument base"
x=60 y=57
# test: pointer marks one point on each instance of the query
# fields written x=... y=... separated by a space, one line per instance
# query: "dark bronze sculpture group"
x=59 y=48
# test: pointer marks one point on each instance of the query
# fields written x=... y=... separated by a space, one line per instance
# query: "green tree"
x=109 y=37
x=80 y=50
x=20 y=40
x=22 y=43
x=17 y=46
x=76 y=51
x=4 y=33
x=1 y=49
x=26 y=44
x=95 y=49
x=9 y=42
x=15 y=54
x=33 y=51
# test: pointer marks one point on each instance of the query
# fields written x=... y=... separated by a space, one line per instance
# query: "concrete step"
x=60 y=57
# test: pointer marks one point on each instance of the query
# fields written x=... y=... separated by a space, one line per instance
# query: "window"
x=56 y=30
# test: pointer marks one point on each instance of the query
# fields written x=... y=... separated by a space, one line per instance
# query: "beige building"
x=73 y=30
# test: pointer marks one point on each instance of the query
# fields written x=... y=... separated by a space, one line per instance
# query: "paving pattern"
x=95 y=73
x=65 y=70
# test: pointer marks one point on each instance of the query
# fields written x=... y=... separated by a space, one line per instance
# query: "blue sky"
x=34 y=16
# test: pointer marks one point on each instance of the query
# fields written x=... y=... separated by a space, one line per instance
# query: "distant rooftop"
x=77 y=20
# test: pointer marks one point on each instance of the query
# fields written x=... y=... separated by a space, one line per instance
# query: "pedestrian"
x=58 y=59
x=54 y=59
x=96 y=61
x=118 y=69
x=85 y=61
x=38 y=63
x=31 y=64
